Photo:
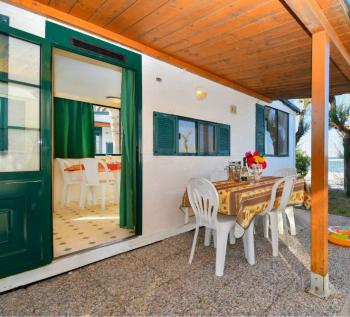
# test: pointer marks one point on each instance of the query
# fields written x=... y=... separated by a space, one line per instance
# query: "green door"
x=25 y=159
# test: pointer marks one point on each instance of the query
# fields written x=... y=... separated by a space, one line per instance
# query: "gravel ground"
x=156 y=280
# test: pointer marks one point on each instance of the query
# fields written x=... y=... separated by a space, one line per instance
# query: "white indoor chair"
x=204 y=200
x=283 y=172
x=114 y=181
x=91 y=181
x=271 y=214
x=68 y=181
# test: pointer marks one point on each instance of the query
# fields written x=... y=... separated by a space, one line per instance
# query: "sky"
x=334 y=140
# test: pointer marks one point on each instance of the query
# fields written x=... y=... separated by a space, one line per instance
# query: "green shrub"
x=302 y=163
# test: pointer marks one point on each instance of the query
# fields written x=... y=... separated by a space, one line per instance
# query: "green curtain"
x=74 y=129
x=128 y=172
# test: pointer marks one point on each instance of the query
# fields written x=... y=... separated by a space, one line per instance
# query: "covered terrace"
x=269 y=49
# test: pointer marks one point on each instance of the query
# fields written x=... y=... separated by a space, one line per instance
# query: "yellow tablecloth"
x=245 y=200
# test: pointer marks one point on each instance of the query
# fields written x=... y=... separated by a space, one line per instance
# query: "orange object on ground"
x=339 y=235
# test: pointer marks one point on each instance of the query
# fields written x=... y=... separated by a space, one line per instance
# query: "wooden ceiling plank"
x=286 y=58
x=184 y=20
x=261 y=16
x=84 y=9
x=282 y=69
x=164 y=13
x=260 y=56
x=248 y=46
x=312 y=16
x=63 y=5
x=50 y=12
x=109 y=10
x=135 y=13
x=215 y=19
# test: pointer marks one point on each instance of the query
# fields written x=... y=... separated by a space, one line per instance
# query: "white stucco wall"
x=165 y=177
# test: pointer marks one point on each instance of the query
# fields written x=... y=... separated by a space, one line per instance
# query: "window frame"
x=44 y=146
x=177 y=134
x=120 y=135
x=277 y=126
x=197 y=122
x=204 y=153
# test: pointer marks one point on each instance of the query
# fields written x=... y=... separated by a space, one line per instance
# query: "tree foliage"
x=303 y=123
x=339 y=114
x=302 y=162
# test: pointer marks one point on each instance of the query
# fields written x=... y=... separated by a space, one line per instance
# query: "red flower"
x=263 y=165
x=256 y=153
x=250 y=160
x=247 y=154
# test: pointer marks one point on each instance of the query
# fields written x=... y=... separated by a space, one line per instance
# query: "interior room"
x=87 y=153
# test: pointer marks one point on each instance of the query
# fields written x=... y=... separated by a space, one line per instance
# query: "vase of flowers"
x=256 y=163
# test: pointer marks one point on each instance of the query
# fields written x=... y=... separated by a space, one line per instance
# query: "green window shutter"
x=164 y=132
x=223 y=139
x=4 y=19
x=260 y=129
x=3 y=124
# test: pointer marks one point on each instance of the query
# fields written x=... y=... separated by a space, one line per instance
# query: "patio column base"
x=319 y=285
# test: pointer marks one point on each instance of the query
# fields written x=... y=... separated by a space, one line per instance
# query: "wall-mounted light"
x=201 y=93
x=114 y=100
x=233 y=109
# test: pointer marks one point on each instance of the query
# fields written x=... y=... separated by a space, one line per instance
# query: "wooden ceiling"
x=258 y=44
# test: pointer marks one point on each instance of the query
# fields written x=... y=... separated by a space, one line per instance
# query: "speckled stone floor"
x=76 y=228
x=156 y=280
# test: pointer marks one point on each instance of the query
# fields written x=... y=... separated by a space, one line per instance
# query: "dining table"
x=245 y=200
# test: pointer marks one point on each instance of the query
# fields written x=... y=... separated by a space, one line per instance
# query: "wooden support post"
x=319 y=164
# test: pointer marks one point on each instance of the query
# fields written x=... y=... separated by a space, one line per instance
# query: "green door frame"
x=41 y=219
x=62 y=37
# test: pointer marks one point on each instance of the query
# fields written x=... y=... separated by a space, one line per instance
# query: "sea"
x=336 y=165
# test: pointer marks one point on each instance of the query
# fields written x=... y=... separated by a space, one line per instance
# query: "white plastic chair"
x=91 y=181
x=68 y=181
x=271 y=213
x=204 y=201
x=219 y=174
x=283 y=172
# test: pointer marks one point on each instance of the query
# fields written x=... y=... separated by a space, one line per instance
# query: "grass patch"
x=338 y=203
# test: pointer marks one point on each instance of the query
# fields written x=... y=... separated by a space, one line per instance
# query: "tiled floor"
x=157 y=280
x=76 y=229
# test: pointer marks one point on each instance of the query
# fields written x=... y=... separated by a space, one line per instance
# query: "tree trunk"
x=346 y=143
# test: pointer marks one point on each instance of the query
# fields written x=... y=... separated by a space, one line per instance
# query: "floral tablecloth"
x=245 y=200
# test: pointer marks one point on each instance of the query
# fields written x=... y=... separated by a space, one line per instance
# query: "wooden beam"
x=319 y=163
x=312 y=17
x=55 y=14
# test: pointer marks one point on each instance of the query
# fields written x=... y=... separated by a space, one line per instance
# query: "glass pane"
x=20 y=128
x=187 y=136
x=207 y=138
x=270 y=132
x=20 y=60
x=4 y=49
x=282 y=133
x=107 y=130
